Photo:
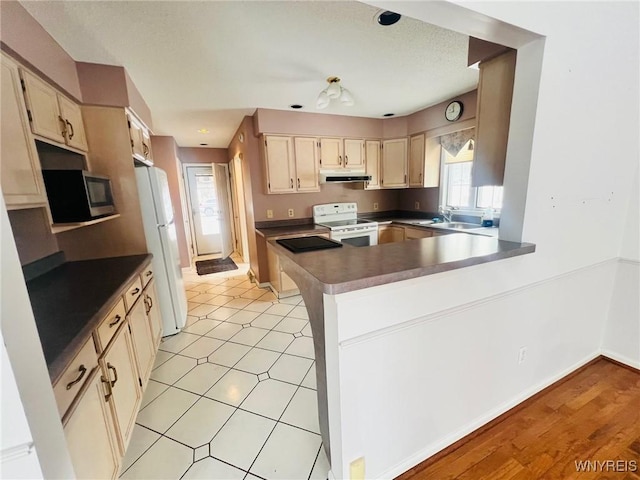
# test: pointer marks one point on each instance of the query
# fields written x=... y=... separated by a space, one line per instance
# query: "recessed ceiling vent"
x=388 y=18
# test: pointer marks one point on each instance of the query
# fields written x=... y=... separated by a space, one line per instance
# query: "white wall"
x=438 y=360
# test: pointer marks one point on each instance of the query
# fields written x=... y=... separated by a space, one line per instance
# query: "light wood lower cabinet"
x=119 y=367
x=413 y=233
x=390 y=234
x=143 y=340
x=153 y=313
x=89 y=431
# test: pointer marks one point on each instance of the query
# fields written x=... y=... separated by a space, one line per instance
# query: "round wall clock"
x=453 y=111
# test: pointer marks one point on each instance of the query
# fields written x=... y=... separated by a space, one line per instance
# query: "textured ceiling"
x=208 y=64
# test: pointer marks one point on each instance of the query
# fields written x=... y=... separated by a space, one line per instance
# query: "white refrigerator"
x=162 y=242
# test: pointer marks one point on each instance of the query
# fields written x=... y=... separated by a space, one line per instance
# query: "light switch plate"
x=375 y=205
x=290 y=212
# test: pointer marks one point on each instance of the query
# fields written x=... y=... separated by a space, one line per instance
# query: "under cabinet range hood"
x=344 y=177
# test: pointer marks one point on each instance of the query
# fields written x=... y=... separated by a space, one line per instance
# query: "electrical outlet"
x=290 y=212
x=522 y=355
x=269 y=213
x=375 y=205
x=417 y=205
x=356 y=469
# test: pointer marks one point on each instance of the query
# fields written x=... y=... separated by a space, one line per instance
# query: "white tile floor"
x=233 y=395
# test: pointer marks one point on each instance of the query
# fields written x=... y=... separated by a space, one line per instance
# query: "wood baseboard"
x=620 y=364
x=454 y=446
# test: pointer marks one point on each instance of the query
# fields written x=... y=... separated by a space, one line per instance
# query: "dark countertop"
x=309 y=228
x=69 y=302
x=347 y=269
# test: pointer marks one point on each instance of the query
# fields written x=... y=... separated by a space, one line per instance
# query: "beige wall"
x=102 y=84
x=24 y=36
x=203 y=155
x=165 y=157
x=32 y=234
x=249 y=151
x=433 y=117
x=302 y=123
x=137 y=103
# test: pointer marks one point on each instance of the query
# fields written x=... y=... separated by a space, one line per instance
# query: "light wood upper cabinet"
x=495 y=91
x=22 y=183
x=278 y=152
x=372 y=163
x=331 y=153
x=432 y=154
x=306 y=164
x=74 y=127
x=337 y=153
x=53 y=115
x=416 y=161
x=292 y=164
x=90 y=434
x=119 y=367
x=353 y=153
x=140 y=139
x=394 y=163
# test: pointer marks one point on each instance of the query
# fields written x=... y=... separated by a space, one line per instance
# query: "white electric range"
x=342 y=219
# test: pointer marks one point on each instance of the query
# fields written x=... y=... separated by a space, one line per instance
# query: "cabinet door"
x=42 y=102
x=390 y=234
x=416 y=161
x=143 y=340
x=432 y=154
x=119 y=367
x=394 y=163
x=135 y=132
x=153 y=314
x=146 y=145
x=372 y=163
x=413 y=233
x=353 y=153
x=331 y=153
x=74 y=128
x=306 y=160
x=280 y=164
x=89 y=433
x=495 y=90
x=22 y=183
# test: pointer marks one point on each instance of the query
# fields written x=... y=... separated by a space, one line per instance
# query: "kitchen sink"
x=456 y=225
x=417 y=222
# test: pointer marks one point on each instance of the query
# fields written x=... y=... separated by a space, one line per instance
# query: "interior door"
x=224 y=207
x=204 y=210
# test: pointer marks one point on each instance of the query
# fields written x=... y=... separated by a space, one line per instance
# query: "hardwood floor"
x=592 y=416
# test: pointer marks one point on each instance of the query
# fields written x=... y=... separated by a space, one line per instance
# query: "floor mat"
x=205 y=267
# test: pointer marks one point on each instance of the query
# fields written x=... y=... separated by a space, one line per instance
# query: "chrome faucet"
x=447 y=212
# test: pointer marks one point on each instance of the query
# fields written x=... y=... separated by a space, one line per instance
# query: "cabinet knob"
x=149 y=273
x=82 y=369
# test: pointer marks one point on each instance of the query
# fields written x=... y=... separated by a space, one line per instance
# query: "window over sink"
x=456 y=188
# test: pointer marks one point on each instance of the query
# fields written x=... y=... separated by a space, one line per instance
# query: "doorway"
x=208 y=201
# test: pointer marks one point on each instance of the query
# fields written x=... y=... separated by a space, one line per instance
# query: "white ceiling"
x=207 y=64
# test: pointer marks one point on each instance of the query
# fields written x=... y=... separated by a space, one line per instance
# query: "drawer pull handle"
x=71 y=133
x=115 y=321
x=108 y=384
x=147 y=307
x=82 y=369
x=135 y=291
x=150 y=302
x=149 y=273
x=115 y=374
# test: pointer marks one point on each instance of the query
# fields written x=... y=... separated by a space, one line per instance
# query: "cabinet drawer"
x=146 y=275
x=109 y=326
x=132 y=293
x=76 y=374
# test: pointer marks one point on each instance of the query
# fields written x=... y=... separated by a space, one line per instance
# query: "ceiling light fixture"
x=333 y=91
x=203 y=130
x=388 y=18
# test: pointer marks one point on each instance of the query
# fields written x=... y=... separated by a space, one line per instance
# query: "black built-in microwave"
x=78 y=195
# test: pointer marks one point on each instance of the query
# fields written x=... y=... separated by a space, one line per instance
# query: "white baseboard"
x=431 y=450
x=621 y=358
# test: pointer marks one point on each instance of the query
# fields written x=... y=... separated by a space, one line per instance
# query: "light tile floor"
x=233 y=395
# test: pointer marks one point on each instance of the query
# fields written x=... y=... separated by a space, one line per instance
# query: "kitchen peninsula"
x=372 y=314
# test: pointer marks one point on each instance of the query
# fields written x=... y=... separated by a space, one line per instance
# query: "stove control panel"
x=335 y=208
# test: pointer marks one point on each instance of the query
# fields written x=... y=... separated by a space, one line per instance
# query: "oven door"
x=361 y=237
